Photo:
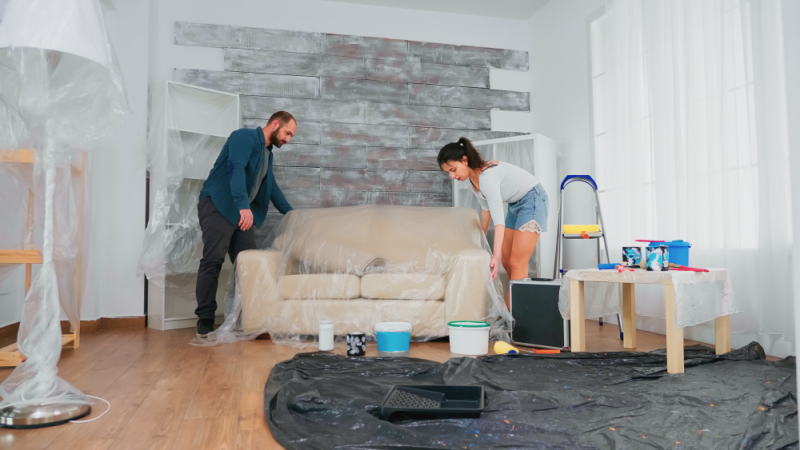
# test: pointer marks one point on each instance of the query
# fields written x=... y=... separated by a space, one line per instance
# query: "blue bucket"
x=678 y=251
x=393 y=336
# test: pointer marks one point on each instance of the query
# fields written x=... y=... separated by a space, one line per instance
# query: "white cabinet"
x=188 y=127
x=538 y=155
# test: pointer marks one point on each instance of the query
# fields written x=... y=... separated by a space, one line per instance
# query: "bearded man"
x=234 y=201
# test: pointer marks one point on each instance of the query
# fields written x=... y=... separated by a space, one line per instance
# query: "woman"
x=495 y=182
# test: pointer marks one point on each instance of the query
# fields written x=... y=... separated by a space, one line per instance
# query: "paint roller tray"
x=432 y=401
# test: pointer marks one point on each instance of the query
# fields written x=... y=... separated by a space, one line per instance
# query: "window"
x=704 y=167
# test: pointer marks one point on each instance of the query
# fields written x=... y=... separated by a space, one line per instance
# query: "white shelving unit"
x=538 y=155
x=189 y=126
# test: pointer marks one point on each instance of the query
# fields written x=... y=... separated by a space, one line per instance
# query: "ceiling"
x=508 y=9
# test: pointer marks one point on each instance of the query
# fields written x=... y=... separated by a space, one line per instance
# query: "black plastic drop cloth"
x=568 y=401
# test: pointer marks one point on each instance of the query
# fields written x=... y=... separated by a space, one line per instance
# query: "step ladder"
x=596 y=232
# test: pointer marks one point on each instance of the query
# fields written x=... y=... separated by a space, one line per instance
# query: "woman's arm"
x=486 y=217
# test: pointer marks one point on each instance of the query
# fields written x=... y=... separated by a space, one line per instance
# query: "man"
x=234 y=201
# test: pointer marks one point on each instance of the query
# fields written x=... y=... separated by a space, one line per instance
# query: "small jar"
x=325 y=335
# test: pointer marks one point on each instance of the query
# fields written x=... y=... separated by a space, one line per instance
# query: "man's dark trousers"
x=220 y=237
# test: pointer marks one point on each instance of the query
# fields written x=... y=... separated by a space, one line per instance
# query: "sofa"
x=361 y=265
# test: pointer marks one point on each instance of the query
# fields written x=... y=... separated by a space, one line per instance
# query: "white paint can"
x=468 y=337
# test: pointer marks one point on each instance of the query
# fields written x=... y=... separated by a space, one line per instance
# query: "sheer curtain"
x=691 y=144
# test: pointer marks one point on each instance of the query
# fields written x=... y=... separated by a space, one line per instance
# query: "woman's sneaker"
x=204 y=326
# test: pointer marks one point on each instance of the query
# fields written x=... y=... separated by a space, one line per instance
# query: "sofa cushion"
x=413 y=286
x=320 y=286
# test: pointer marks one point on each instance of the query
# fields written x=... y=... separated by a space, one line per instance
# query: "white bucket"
x=468 y=337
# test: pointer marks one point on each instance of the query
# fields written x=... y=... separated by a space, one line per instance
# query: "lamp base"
x=38 y=416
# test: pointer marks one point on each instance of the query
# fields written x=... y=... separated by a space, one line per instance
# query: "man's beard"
x=273 y=138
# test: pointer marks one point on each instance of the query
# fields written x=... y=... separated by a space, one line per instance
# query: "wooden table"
x=628 y=280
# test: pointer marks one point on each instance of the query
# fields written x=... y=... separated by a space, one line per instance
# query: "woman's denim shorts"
x=534 y=205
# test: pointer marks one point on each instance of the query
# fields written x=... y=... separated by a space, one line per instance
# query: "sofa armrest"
x=257 y=283
x=467 y=296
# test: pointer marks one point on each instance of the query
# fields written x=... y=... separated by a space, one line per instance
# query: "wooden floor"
x=166 y=394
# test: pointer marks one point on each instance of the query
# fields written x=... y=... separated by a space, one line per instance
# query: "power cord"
x=95 y=418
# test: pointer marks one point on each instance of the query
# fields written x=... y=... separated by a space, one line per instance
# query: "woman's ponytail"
x=456 y=151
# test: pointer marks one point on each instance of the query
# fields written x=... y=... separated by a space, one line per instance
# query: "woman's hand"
x=494 y=264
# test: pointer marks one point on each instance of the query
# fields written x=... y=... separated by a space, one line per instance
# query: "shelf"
x=20 y=257
x=17 y=156
x=202 y=133
x=578 y=236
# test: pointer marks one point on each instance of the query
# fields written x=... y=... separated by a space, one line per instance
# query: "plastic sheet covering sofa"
x=361 y=265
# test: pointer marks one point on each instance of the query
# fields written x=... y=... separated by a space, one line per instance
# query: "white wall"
x=333 y=17
x=559 y=52
x=117 y=180
x=791 y=51
x=319 y=16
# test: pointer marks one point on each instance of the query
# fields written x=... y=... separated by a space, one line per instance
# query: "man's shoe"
x=204 y=326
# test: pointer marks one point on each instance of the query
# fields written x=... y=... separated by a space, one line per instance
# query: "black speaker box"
x=537 y=320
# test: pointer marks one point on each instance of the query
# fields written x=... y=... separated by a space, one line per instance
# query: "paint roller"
x=504 y=348
x=583 y=230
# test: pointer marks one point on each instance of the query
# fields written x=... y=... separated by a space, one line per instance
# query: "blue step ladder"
x=558 y=271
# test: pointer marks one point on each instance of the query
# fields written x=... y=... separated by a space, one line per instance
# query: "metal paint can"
x=658 y=258
x=356 y=344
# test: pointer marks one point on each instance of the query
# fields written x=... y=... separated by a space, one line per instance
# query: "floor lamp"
x=62 y=94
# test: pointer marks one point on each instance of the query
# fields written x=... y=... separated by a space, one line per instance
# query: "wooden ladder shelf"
x=10 y=356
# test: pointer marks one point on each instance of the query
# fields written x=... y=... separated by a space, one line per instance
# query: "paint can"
x=356 y=344
x=658 y=258
x=469 y=337
x=631 y=256
x=393 y=336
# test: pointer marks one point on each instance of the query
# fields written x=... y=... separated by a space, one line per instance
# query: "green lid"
x=468 y=324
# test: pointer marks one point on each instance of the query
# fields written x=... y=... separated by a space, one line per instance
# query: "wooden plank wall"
x=372 y=113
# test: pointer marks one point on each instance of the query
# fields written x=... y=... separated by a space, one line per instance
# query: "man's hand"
x=494 y=264
x=246 y=220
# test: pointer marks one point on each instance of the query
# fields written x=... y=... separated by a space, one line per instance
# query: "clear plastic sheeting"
x=188 y=127
x=361 y=265
x=62 y=93
x=699 y=296
x=16 y=223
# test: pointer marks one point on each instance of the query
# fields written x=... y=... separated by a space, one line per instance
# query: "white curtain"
x=694 y=146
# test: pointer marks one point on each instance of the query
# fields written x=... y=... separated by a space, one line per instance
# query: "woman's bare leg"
x=524 y=245
x=505 y=257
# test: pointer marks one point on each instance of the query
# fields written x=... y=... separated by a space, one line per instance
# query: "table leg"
x=577 y=338
x=674 y=336
x=28 y=277
x=722 y=334
x=629 y=314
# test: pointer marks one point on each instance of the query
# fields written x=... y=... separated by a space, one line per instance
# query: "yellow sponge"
x=577 y=229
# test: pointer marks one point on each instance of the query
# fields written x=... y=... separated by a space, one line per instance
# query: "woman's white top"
x=502 y=183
